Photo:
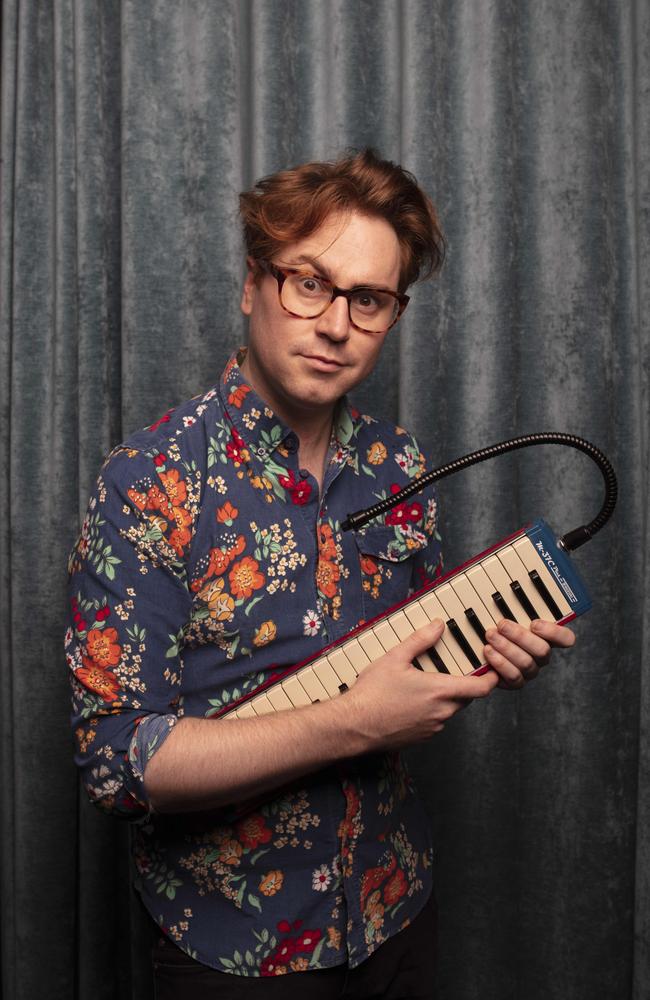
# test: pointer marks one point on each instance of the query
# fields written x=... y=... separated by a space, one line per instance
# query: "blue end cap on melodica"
x=560 y=566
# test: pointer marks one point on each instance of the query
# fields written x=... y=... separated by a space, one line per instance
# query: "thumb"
x=422 y=639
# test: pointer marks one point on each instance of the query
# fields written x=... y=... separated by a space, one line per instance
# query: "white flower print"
x=321 y=878
x=311 y=622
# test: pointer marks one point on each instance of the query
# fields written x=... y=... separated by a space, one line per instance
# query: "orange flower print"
x=300 y=964
x=327 y=576
x=252 y=832
x=219 y=562
x=179 y=539
x=333 y=937
x=220 y=604
x=265 y=633
x=326 y=543
x=101 y=681
x=138 y=498
x=245 y=577
x=102 y=647
x=174 y=486
x=374 y=911
x=395 y=887
x=157 y=500
x=376 y=453
x=368 y=565
x=271 y=883
x=227 y=513
x=230 y=851
x=238 y=395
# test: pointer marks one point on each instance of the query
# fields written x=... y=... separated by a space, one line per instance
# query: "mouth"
x=323 y=363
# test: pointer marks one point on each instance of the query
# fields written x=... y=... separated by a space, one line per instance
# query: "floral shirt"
x=207 y=561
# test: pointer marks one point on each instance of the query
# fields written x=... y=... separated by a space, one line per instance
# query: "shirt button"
x=291 y=443
x=304 y=473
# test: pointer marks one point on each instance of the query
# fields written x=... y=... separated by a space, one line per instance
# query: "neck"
x=312 y=426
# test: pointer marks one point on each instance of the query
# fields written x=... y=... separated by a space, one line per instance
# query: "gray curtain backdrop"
x=128 y=130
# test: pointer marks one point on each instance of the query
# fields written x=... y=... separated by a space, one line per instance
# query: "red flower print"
x=298 y=489
x=252 y=832
x=406 y=512
x=284 y=927
x=236 y=448
x=160 y=459
x=161 y=420
x=308 y=940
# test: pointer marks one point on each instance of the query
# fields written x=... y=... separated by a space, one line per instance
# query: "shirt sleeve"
x=129 y=602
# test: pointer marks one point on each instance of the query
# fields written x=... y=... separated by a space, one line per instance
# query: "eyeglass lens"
x=308 y=296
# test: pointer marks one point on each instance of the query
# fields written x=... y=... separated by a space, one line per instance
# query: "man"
x=211 y=556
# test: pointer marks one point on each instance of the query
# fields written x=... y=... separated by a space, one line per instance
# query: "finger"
x=518 y=643
x=463 y=689
x=524 y=650
x=555 y=635
x=422 y=639
x=511 y=674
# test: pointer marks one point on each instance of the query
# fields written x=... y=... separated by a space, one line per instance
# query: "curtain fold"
x=127 y=131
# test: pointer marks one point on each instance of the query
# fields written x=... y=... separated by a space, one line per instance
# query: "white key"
x=449 y=600
x=262 y=705
x=456 y=662
x=516 y=569
x=370 y=644
x=327 y=677
x=501 y=580
x=295 y=692
x=531 y=560
x=278 y=698
x=245 y=711
x=484 y=587
x=355 y=653
x=386 y=636
x=342 y=667
x=418 y=619
x=401 y=626
x=312 y=685
x=469 y=598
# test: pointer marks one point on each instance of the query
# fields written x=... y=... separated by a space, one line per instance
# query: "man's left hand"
x=518 y=653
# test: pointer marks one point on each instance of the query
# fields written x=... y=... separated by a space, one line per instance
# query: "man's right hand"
x=392 y=704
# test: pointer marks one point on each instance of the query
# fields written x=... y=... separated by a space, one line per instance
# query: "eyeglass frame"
x=282 y=273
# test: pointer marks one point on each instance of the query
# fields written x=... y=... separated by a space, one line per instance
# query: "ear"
x=250 y=286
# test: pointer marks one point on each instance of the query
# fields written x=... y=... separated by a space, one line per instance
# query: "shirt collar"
x=259 y=426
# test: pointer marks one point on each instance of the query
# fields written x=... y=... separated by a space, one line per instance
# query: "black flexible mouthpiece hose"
x=572 y=540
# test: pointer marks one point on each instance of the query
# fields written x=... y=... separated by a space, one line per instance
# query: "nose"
x=335 y=321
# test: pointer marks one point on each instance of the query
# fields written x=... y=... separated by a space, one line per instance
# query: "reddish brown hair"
x=292 y=204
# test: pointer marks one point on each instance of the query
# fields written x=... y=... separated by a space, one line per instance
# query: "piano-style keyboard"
x=527 y=576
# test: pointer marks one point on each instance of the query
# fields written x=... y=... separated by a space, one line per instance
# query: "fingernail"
x=438 y=621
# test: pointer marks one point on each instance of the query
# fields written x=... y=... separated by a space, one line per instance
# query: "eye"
x=310 y=286
x=367 y=301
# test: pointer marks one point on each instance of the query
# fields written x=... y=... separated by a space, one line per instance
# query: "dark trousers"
x=401 y=969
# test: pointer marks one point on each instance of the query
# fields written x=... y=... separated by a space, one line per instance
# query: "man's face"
x=301 y=367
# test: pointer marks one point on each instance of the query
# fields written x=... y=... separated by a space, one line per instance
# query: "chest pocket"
x=386 y=563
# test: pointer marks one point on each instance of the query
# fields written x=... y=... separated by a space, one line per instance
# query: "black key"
x=456 y=631
x=437 y=659
x=502 y=606
x=417 y=665
x=475 y=622
x=543 y=592
x=518 y=590
x=343 y=688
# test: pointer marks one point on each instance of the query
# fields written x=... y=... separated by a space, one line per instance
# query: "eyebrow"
x=320 y=268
